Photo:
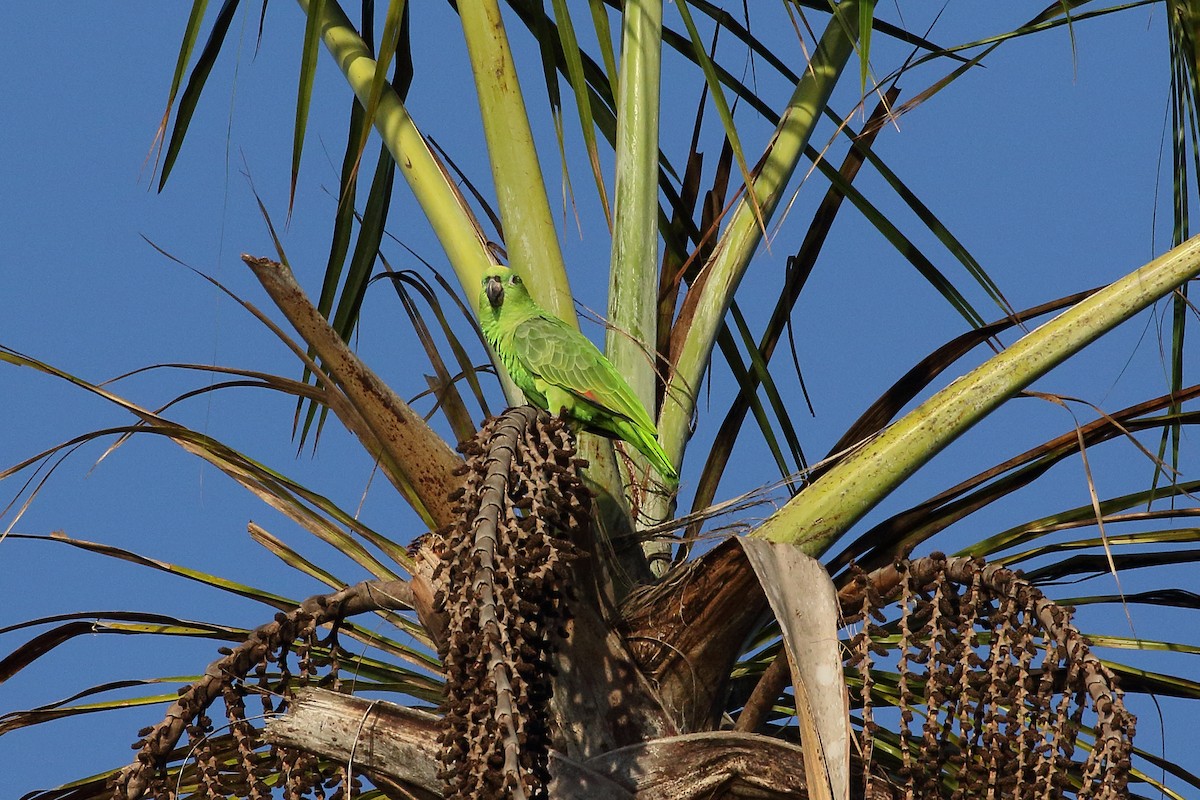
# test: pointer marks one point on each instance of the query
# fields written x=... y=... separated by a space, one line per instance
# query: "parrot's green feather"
x=562 y=357
x=560 y=370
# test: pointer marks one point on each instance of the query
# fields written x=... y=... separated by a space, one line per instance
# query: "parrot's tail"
x=648 y=445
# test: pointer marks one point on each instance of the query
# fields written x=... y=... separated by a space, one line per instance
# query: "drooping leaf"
x=441 y=382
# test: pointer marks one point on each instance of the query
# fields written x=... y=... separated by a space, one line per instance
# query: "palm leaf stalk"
x=444 y=207
x=817 y=516
x=633 y=276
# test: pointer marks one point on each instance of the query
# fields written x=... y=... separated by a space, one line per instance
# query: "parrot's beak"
x=495 y=291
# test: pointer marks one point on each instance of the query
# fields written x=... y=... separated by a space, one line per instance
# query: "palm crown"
x=606 y=590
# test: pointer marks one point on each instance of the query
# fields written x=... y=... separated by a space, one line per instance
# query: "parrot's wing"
x=560 y=355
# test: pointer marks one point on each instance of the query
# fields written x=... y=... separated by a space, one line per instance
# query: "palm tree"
x=543 y=616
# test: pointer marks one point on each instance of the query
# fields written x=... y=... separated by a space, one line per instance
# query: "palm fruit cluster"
x=502 y=580
x=993 y=684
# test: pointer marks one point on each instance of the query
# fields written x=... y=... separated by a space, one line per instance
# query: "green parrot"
x=560 y=370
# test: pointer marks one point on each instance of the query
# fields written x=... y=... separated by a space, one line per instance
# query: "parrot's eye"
x=516 y=279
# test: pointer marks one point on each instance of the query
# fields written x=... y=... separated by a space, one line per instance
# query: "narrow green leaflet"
x=195 y=84
x=604 y=40
x=743 y=377
x=207 y=579
x=1030 y=530
x=866 y=20
x=395 y=28
x=1111 y=539
x=308 y=72
x=190 y=34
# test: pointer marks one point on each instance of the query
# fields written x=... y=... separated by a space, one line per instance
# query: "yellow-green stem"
x=815 y=518
x=633 y=271
x=633 y=282
x=529 y=232
x=442 y=204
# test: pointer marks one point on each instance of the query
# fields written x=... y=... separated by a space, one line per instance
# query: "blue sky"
x=1046 y=164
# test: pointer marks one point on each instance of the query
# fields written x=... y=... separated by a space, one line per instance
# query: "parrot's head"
x=499 y=282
